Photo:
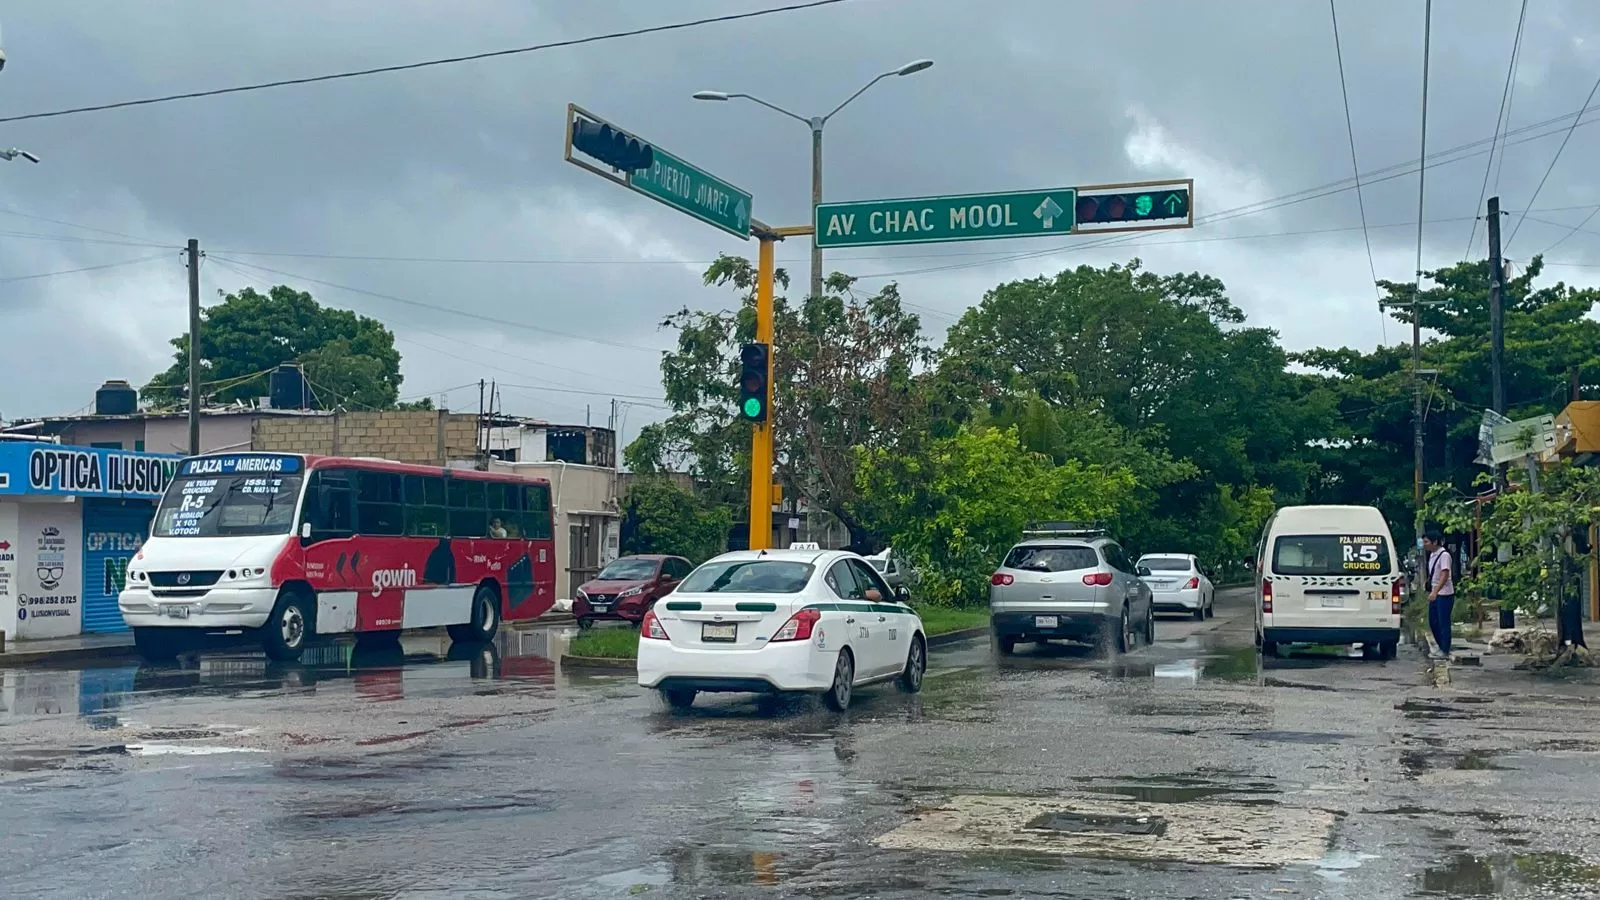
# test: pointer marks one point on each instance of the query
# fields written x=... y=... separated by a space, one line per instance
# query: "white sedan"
x=1177 y=584
x=779 y=621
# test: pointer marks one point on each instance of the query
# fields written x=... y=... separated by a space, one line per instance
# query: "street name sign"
x=933 y=220
x=672 y=181
x=1527 y=437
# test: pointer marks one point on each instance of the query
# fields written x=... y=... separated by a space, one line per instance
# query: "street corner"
x=1203 y=833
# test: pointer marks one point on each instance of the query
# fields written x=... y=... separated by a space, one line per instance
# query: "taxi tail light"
x=1000 y=579
x=1394 y=598
x=799 y=626
x=1097 y=578
x=1266 y=597
x=651 y=627
x=1191 y=584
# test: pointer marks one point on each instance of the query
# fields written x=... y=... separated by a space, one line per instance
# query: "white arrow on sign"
x=740 y=214
x=1047 y=211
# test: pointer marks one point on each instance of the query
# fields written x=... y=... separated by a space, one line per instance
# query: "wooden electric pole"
x=193 y=254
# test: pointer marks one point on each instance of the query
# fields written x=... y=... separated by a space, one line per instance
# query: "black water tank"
x=286 y=387
x=116 y=398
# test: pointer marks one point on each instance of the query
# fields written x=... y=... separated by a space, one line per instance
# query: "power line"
x=95 y=268
x=1553 y=160
x=1500 y=121
x=1570 y=231
x=1361 y=204
x=424 y=64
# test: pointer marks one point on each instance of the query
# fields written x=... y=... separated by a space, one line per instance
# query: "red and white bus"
x=297 y=546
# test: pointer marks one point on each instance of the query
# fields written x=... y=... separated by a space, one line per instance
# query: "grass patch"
x=945 y=619
x=606 y=643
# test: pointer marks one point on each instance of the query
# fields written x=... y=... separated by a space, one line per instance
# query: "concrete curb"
x=611 y=664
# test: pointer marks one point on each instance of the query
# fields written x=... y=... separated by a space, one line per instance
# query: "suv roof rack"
x=1065 y=529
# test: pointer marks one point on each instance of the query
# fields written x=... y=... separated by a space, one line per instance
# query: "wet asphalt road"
x=497 y=774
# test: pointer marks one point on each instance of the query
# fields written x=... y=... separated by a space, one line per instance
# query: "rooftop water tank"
x=116 y=398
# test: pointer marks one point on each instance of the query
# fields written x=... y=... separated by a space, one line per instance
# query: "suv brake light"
x=651 y=627
x=1191 y=584
x=1394 y=598
x=1266 y=597
x=1099 y=578
x=1000 y=578
x=798 y=628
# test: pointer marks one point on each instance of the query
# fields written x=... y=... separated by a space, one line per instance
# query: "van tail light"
x=1097 y=578
x=1000 y=579
x=651 y=627
x=799 y=626
x=1394 y=598
x=1191 y=584
x=1266 y=597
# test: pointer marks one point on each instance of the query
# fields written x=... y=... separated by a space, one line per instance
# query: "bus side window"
x=330 y=503
x=469 y=508
x=426 y=513
x=536 y=524
x=505 y=508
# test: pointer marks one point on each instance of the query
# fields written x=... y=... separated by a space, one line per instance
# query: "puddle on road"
x=1294 y=737
x=1488 y=876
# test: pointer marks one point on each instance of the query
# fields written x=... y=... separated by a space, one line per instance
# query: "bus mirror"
x=305 y=530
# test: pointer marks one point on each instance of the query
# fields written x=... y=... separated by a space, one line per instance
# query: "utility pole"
x=1416 y=398
x=1497 y=299
x=193 y=255
x=816 y=200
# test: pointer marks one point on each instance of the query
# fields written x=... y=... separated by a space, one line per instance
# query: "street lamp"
x=13 y=153
x=816 y=123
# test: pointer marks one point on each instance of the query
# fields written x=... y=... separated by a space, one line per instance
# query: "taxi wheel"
x=916 y=666
x=844 y=677
x=677 y=699
x=1200 y=612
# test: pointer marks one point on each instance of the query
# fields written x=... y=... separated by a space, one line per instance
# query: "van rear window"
x=1331 y=554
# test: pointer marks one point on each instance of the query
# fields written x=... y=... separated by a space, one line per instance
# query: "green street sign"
x=641 y=166
x=932 y=220
x=695 y=191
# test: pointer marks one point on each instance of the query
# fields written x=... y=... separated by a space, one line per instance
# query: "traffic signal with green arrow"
x=755 y=372
x=1140 y=206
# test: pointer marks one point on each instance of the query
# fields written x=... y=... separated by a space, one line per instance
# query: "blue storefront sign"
x=64 y=471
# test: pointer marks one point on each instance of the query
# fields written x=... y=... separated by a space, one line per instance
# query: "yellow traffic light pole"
x=761 y=433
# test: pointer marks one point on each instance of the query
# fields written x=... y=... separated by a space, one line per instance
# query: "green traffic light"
x=752 y=407
x=1143 y=204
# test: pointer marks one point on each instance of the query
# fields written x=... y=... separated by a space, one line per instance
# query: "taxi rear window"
x=1331 y=554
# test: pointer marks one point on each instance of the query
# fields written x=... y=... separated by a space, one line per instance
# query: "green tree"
x=660 y=517
x=349 y=359
x=844 y=378
x=959 y=506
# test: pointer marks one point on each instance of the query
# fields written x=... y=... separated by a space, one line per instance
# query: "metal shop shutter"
x=112 y=533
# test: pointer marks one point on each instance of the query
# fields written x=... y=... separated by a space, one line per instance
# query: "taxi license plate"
x=1045 y=621
x=1333 y=602
x=175 y=612
x=713 y=633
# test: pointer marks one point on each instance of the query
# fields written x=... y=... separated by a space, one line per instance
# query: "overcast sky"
x=464 y=162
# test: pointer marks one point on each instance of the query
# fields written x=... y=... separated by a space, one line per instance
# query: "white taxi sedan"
x=776 y=621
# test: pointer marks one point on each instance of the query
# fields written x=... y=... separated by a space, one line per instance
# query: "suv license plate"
x=175 y=612
x=1044 y=621
x=1333 y=602
x=714 y=633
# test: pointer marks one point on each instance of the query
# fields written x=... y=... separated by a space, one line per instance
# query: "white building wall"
x=49 y=585
x=10 y=568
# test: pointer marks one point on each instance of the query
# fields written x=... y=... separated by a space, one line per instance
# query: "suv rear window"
x=1037 y=558
x=1331 y=554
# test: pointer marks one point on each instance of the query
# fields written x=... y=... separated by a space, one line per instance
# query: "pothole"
x=1088 y=826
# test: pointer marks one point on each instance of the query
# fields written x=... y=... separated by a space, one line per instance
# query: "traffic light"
x=754 y=373
x=617 y=149
x=1106 y=209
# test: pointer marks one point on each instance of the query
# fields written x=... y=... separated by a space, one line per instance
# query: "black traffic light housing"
x=1133 y=206
x=615 y=148
x=755 y=372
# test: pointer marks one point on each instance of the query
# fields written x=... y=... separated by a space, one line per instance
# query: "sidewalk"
x=1474 y=667
x=80 y=648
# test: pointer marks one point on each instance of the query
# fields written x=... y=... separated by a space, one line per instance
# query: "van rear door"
x=1332 y=580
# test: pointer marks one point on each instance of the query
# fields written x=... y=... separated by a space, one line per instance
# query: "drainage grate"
x=1083 y=823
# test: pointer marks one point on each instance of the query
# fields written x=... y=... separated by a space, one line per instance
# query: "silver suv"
x=1071 y=582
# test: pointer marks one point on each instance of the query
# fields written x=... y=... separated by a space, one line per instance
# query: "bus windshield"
x=228 y=505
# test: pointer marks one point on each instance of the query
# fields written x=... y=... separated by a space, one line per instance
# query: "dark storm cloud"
x=464 y=161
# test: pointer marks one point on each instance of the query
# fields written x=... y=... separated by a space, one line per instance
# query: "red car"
x=627 y=588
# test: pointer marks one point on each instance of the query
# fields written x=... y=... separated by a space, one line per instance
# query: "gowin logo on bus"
x=383 y=579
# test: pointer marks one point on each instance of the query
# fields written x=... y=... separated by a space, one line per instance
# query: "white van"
x=1328 y=575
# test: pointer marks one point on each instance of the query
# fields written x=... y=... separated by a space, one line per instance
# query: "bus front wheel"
x=289 y=627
